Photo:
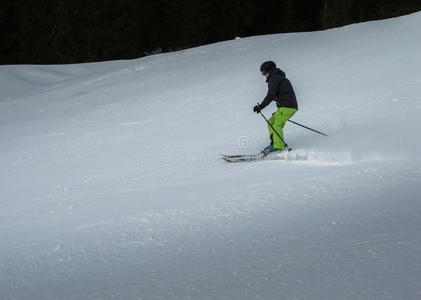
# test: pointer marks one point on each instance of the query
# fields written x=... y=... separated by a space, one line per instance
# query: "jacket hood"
x=276 y=71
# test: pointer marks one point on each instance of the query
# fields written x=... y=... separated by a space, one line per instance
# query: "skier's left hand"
x=257 y=109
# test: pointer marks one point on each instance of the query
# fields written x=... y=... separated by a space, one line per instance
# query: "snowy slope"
x=111 y=186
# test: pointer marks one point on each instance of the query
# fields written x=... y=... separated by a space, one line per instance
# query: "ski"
x=240 y=155
x=294 y=155
x=243 y=158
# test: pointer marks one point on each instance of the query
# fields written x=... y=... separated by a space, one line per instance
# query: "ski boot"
x=269 y=149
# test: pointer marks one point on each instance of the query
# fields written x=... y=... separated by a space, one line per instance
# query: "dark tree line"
x=70 y=31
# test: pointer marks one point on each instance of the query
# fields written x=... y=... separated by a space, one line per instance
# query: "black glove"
x=257 y=109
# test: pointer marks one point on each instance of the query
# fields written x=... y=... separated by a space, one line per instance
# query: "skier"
x=280 y=90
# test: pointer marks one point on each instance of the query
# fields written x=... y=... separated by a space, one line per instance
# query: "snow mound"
x=111 y=185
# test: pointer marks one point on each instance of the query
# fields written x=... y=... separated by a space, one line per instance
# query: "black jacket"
x=280 y=90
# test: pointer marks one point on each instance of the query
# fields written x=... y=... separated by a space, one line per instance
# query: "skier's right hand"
x=257 y=109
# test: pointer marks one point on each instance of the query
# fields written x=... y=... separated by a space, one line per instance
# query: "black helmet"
x=267 y=66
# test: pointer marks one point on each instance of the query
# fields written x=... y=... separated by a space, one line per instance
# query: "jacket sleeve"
x=271 y=95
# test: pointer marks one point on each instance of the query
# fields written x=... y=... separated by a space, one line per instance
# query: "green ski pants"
x=278 y=121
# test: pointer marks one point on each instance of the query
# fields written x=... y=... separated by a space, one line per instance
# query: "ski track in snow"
x=112 y=186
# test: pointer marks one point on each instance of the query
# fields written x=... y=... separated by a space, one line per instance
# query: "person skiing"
x=280 y=90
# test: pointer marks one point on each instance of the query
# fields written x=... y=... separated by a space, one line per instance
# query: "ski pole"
x=307 y=127
x=286 y=145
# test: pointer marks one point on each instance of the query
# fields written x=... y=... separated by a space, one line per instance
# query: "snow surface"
x=111 y=185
